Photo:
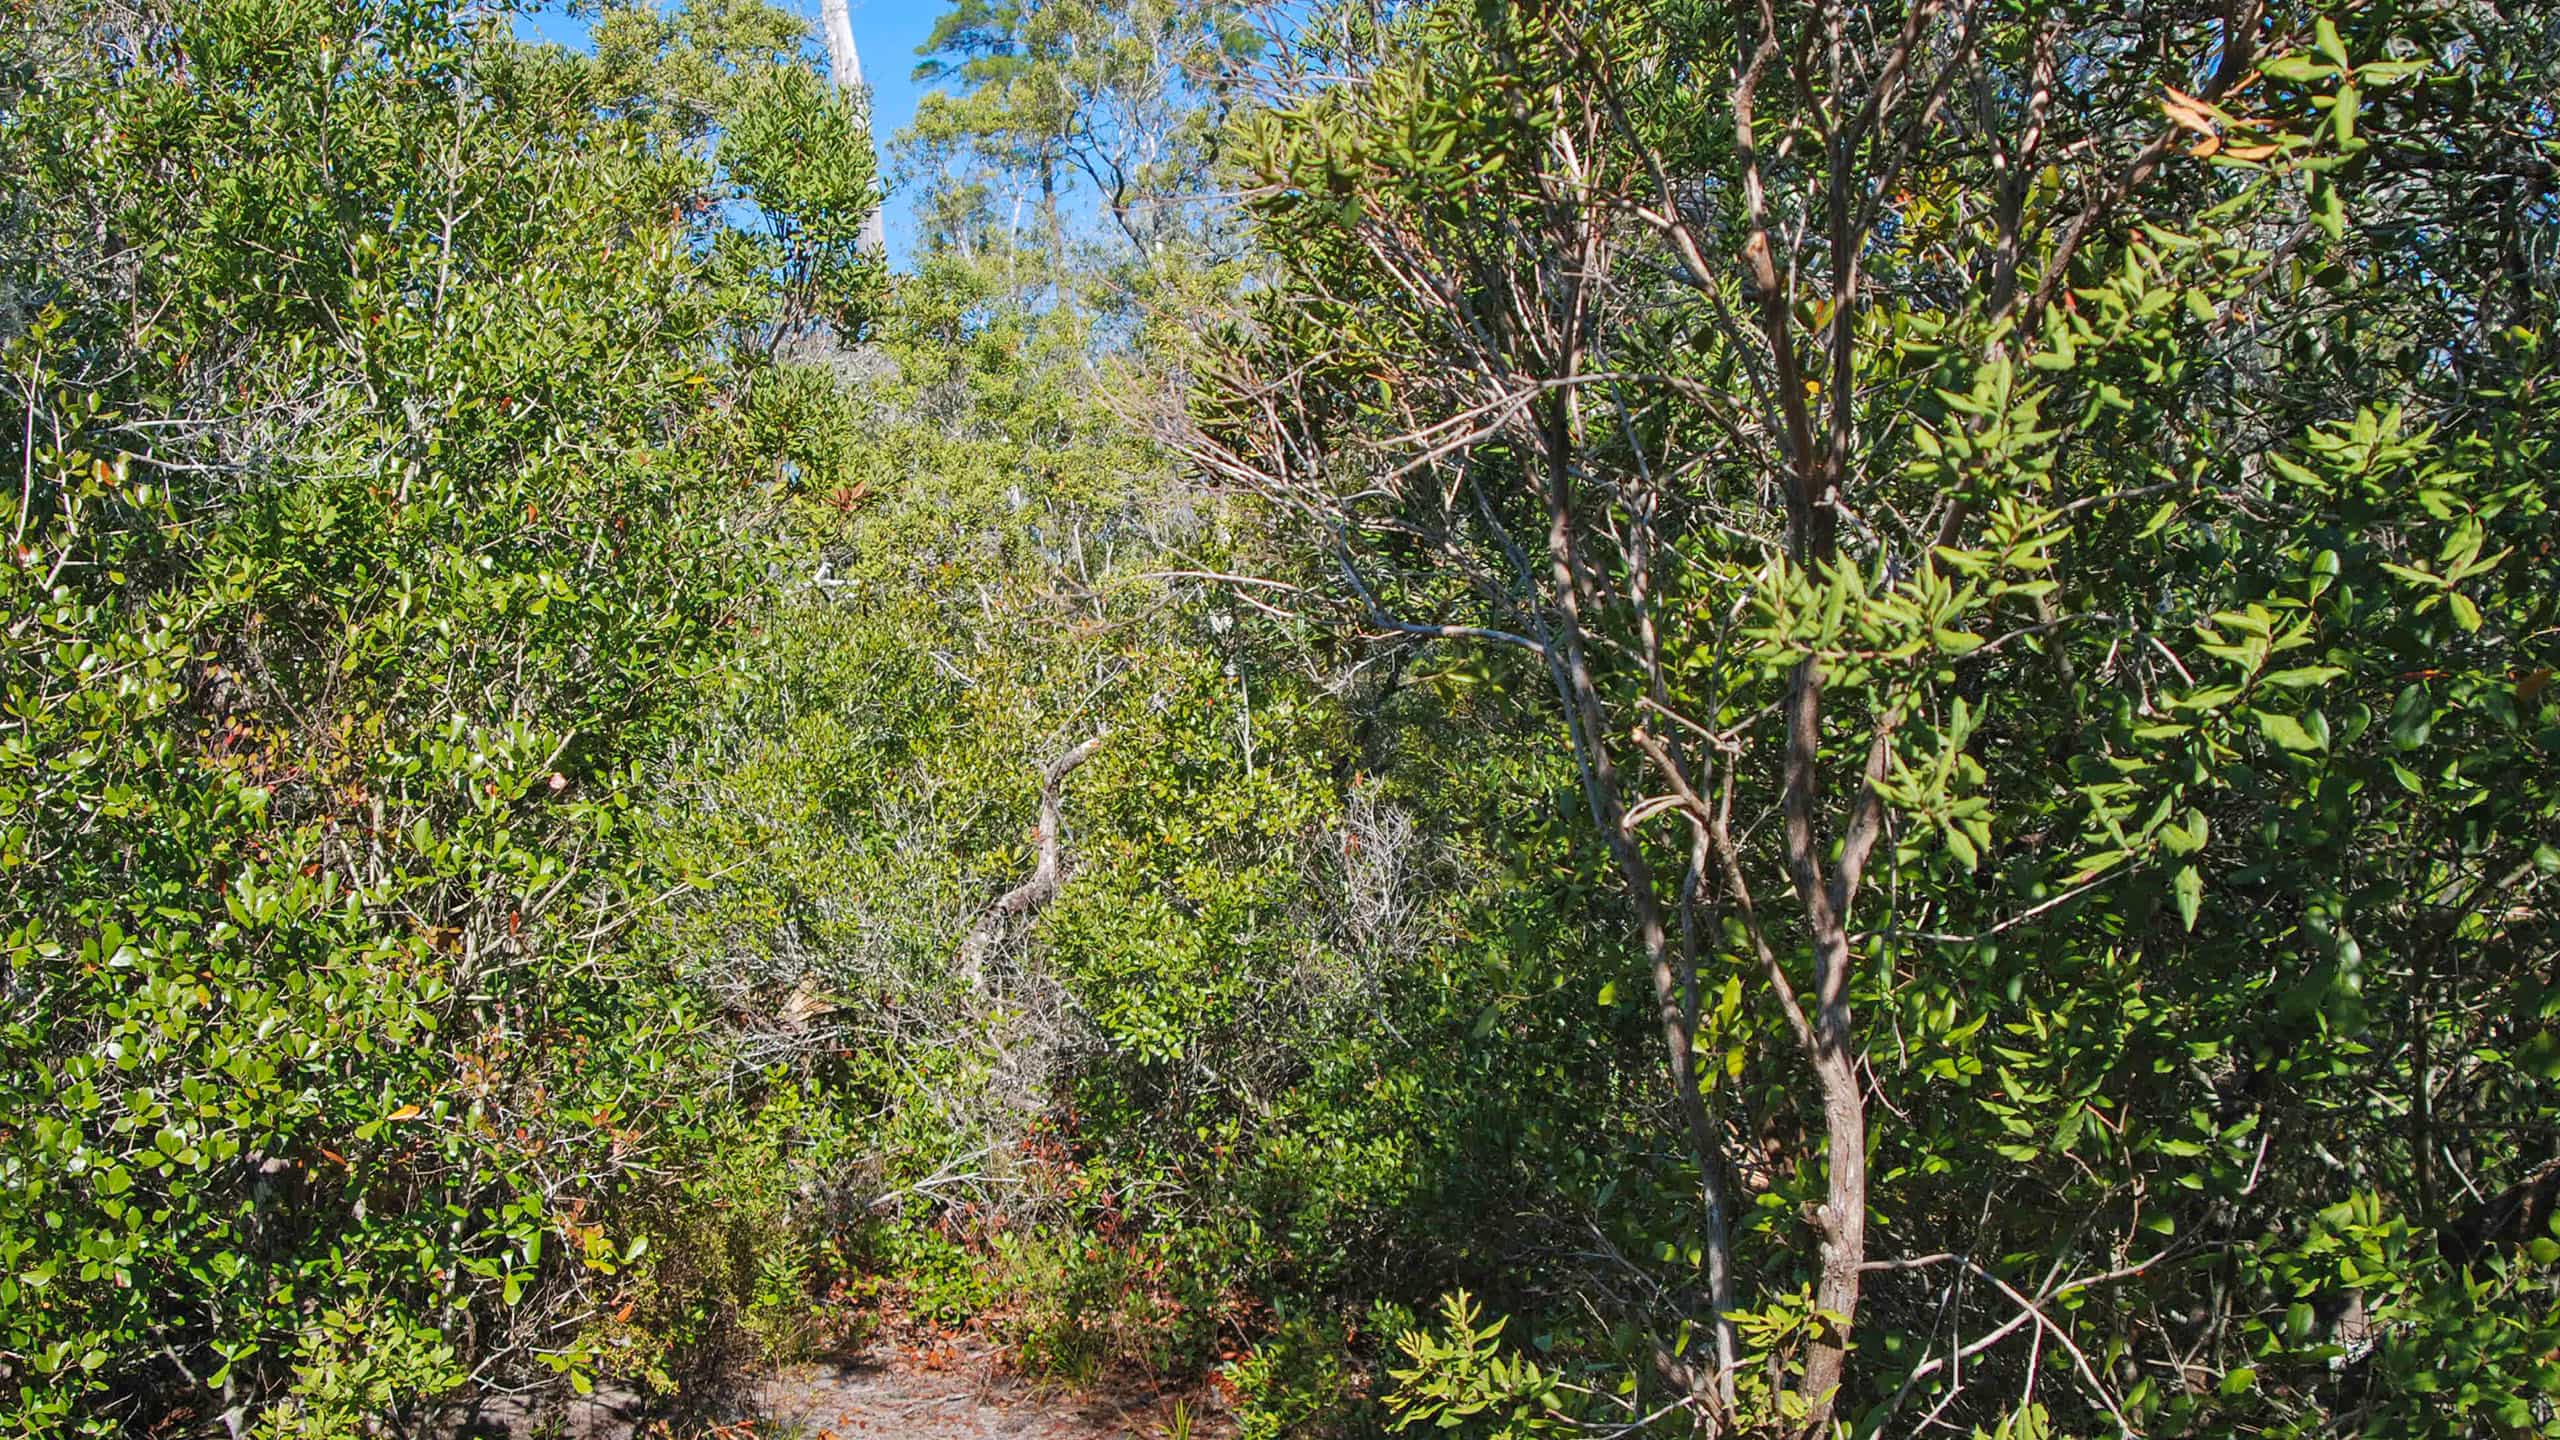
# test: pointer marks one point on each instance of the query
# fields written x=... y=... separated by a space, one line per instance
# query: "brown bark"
x=1672 y=978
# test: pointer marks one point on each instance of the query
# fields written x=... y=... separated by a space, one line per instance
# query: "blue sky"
x=886 y=31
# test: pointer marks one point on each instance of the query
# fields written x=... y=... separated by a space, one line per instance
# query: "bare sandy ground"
x=951 y=1393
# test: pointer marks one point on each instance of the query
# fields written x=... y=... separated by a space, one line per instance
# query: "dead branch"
x=1031 y=895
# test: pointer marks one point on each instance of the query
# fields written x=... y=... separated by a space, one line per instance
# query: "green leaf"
x=2294 y=472
x=2067 y=1133
x=2296 y=69
x=1960 y=845
x=2540 y=1055
x=2285 y=730
x=2207 y=697
x=2342 y=115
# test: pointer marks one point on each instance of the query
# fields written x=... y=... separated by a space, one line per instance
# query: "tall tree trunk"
x=1842 y=1223
x=846 y=62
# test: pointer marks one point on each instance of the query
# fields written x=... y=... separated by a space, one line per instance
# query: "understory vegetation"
x=1623 y=718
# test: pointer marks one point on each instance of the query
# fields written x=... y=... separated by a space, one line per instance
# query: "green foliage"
x=353 y=1365
x=370 y=407
x=1070 y=155
x=1301 y=1380
x=684 y=72
x=1462 y=1378
x=796 y=147
x=2135 y=545
x=1299 y=1020
x=531 y=671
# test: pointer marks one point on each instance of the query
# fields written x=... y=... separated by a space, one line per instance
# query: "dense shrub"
x=370 y=405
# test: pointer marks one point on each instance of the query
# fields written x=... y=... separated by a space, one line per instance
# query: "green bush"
x=1303 y=1379
x=371 y=405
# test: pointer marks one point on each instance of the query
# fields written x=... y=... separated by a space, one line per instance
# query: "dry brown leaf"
x=2186 y=110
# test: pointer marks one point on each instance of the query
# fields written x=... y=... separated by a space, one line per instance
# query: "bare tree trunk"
x=846 y=62
x=1842 y=1221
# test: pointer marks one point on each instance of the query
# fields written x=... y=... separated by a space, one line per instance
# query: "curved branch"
x=1033 y=894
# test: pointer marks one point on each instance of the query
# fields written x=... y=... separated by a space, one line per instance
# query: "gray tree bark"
x=846 y=62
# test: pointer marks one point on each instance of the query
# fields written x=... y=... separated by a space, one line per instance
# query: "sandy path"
x=950 y=1394
x=887 y=1395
